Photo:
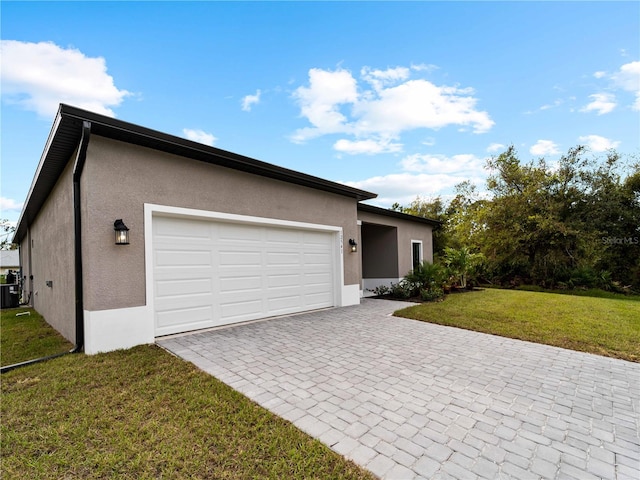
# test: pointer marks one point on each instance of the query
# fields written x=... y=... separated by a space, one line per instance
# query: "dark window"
x=416 y=254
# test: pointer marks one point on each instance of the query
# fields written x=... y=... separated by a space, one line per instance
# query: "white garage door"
x=210 y=273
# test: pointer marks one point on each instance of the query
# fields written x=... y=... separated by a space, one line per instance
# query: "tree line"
x=566 y=224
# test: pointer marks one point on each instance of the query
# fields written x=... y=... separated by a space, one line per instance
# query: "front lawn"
x=143 y=413
x=25 y=336
x=609 y=327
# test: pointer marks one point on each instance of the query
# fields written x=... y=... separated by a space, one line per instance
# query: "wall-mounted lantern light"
x=122 y=232
x=354 y=245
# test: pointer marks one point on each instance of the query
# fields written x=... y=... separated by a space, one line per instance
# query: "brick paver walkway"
x=407 y=399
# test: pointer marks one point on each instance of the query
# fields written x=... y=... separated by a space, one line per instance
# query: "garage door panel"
x=321 y=278
x=239 y=233
x=282 y=258
x=181 y=229
x=215 y=273
x=282 y=238
x=284 y=303
x=286 y=291
x=189 y=319
x=239 y=311
x=169 y=287
x=180 y=258
x=253 y=258
x=285 y=280
x=311 y=259
x=231 y=284
x=316 y=301
x=318 y=238
x=183 y=302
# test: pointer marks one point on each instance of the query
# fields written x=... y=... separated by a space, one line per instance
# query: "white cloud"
x=424 y=175
x=495 y=147
x=369 y=147
x=424 y=67
x=320 y=102
x=598 y=143
x=419 y=104
x=548 y=106
x=335 y=103
x=628 y=79
x=10 y=204
x=602 y=103
x=39 y=76
x=381 y=78
x=544 y=147
x=249 y=100
x=461 y=165
x=199 y=136
x=405 y=187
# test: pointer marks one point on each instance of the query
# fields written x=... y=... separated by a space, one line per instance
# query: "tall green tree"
x=573 y=222
x=433 y=209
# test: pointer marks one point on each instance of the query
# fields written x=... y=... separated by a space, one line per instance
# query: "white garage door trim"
x=153 y=211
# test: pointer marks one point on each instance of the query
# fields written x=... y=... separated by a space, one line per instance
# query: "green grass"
x=25 y=337
x=587 y=292
x=141 y=414
x=609 y=327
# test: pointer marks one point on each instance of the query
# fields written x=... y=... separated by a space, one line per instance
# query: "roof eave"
x=402 y=216
x=65 y=134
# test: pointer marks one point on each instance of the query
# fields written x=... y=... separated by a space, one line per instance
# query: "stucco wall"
x=119 y=178
x=407 y=231
x=50 y=245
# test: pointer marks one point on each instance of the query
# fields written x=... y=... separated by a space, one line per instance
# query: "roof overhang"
x=363 y=207
x=65 y=136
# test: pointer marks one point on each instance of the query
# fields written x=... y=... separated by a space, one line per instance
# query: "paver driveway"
x=407 y=399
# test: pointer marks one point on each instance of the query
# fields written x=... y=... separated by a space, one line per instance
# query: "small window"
x=416 y=253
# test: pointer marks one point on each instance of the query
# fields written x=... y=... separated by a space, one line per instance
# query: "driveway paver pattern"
x=407 y=399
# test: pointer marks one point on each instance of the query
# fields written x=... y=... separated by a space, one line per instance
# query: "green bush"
x=381 y=290
x=431 y=295
x=403 y=290
x=427 y=275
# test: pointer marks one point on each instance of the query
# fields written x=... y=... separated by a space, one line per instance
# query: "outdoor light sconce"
x=122 y=232
x=354 y=245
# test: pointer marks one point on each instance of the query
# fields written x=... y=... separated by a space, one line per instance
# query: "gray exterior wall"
x=119 y=178
x=47 y=253
x=407 y=231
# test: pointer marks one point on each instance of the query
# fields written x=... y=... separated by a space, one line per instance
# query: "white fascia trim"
x=108 y=330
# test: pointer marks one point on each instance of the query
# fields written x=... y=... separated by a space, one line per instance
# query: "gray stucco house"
x=213 y=237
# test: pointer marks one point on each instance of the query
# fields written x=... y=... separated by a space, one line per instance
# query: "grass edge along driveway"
x=608 y=327
x=143 y=413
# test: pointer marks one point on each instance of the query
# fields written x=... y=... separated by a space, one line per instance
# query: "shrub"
x=381 y=290
x=403 y=289
x=431 y=295
x=426 y=276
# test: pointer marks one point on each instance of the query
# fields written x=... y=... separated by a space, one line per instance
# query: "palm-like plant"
x=427 y=276
x=461 y=263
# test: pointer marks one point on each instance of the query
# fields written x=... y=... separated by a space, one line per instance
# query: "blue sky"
x=401 y=99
